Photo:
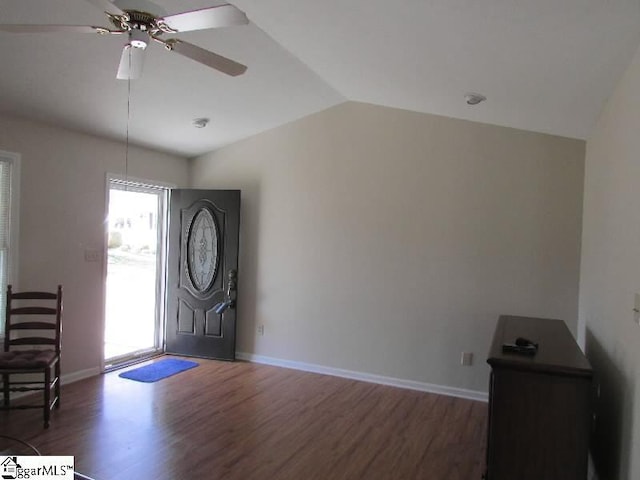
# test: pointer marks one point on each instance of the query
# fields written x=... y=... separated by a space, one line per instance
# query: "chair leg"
x=5 y=388
x=57 y=389
x=47 y=396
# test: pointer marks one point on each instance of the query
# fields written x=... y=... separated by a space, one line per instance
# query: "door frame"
x=161 y=286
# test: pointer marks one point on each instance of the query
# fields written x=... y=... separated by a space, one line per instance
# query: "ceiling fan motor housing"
x=141 y=18
x=141 y=6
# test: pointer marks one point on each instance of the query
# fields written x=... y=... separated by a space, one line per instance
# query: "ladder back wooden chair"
x=33 y=331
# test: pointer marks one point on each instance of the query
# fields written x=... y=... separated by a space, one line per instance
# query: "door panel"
x=136 y=270
x=202 y=273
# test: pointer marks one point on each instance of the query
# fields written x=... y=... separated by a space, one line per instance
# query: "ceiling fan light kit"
x=138 y=39
x=143 y=21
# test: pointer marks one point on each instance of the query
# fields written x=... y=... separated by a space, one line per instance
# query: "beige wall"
x=611 y=276
x=62 y=210
x=388 y=242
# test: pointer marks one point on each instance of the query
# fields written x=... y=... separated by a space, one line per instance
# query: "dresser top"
x=557 y=353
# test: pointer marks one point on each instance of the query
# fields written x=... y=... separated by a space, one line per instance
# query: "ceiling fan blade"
x=49 y=28
x=131 y=63
x=213 y=17
x=210 y=59
x=107 y=6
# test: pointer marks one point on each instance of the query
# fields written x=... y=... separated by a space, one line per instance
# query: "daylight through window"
x=8 y=168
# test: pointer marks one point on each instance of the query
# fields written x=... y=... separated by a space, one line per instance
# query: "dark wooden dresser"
x=540 y=405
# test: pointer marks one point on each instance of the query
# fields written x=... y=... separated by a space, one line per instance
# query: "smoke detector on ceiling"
x=474 y=98
x=200 y=122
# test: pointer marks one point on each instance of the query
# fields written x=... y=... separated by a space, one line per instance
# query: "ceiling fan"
x=142 y=21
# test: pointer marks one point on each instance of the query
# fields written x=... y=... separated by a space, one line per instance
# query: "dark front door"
x=202 y=273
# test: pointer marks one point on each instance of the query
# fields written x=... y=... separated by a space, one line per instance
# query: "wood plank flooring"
x=247 y=421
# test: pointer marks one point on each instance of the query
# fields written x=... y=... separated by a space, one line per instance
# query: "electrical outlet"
x=261 y=330
x=466 y=359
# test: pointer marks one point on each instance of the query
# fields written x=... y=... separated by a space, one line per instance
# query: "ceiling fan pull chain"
x=126 y=154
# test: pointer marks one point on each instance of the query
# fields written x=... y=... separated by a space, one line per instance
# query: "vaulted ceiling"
x=544 y=65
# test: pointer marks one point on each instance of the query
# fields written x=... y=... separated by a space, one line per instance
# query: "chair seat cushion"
x=19 y=359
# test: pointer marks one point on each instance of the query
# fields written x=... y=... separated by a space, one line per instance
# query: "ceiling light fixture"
x=200 y=122
x=138 y=39
x=474 y=98
x=143 y=21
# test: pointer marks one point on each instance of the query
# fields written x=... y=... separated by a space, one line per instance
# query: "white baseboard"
x=366 y=377
x=79 y=375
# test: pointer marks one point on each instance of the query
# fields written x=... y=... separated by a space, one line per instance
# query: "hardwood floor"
x=247 y=421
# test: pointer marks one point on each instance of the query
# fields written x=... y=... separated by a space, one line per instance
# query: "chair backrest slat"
x=34 y=296
x=33 y=326
x=32 y=341
x=31 y=304
x=33 y=311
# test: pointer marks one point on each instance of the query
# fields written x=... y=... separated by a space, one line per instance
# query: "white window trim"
x=14 y=219
x=154 y=184
x=143 y=184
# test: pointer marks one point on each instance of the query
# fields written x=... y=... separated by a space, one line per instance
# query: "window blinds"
x=5 y=236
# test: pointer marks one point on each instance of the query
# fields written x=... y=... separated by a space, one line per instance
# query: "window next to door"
x=9 y=217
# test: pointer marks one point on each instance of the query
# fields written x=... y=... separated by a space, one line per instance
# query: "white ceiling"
x=545 y=65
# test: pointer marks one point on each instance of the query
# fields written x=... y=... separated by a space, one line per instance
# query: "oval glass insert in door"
x=202 y=250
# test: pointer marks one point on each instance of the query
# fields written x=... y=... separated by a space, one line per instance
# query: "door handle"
x=229 y=300
x=231 y=283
